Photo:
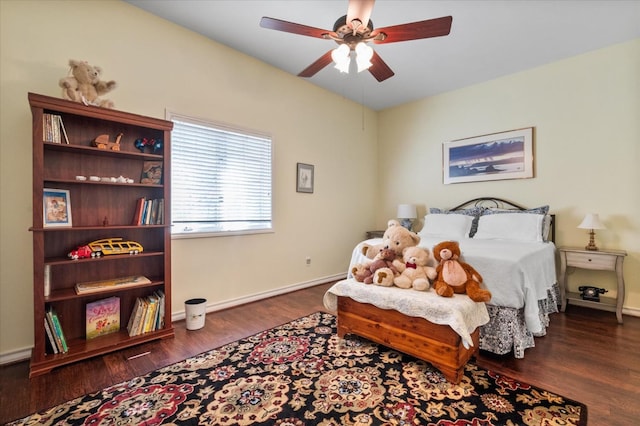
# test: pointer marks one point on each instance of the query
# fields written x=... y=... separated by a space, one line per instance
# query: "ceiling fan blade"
x=380 y=70
x=413 y=31
x=360 y=9
x=292 y=27
x=320 y=63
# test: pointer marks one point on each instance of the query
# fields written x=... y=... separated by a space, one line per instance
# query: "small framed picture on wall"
x=304 y=181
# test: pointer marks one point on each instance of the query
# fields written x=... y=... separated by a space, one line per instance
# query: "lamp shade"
x=341 y=57
x=364 y=54
x=591 y=221
x=407 y=211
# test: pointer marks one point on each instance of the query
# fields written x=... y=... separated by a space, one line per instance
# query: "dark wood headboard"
x=499 y=203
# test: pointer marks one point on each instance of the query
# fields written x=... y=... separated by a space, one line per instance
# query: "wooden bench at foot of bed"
x=437 y=344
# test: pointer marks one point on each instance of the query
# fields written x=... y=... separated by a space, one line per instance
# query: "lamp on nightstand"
x=406 y=214
x=591 y=221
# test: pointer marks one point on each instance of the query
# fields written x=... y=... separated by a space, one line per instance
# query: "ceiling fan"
x=353 y=31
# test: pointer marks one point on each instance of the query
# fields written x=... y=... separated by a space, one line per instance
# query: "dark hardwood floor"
x=586 y=356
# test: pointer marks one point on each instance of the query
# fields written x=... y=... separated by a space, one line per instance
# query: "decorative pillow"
x=510 y=226
x=447 y=226
x=474 y=212
x=537 y=210
x=546 y=225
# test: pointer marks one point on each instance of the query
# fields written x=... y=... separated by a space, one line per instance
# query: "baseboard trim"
x=219 y=306
x=18 y=355
x=24 y=354
x=634 y=312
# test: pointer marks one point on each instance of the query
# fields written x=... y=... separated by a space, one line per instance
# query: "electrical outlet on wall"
x=308 y=260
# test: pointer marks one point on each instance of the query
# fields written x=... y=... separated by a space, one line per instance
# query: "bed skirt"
x=506 y=330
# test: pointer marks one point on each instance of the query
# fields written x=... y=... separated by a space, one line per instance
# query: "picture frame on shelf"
x=496 y=156
x=56 y=208
x=151 y=173
x=304 y=179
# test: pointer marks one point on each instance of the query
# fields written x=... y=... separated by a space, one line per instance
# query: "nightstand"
x=601 y=260
x=375 y=234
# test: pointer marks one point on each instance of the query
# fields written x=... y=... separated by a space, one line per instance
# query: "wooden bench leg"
x=451 y=374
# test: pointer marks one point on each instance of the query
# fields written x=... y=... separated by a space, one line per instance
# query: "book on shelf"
x=56 y=330
x=53 y=129
x=98 y=286
x=160 y=316
x=102 y=317
x=149 y=212
x=134 y=318
x=64 y=131
x=147 y=314
x=50 y=339
x=150 y=314
x=151 y=172
x=160 y=212
x=137 y=215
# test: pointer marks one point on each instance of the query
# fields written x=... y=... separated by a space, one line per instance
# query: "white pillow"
x=448 y=226
x=510 y=226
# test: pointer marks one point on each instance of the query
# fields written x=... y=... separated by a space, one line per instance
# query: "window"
x=220 y=179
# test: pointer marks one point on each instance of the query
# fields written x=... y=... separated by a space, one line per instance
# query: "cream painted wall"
x=586 y=115
x=161 y=66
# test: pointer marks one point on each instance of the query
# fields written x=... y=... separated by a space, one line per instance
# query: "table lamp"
x=591 y=221
x=406 y=214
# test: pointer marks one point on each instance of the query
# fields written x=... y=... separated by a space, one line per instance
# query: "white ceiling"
x=488 y=39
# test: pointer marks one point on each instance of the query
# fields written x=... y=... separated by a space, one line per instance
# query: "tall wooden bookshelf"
x=99 y=209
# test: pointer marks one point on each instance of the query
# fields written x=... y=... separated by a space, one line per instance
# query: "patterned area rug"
x=301 y=373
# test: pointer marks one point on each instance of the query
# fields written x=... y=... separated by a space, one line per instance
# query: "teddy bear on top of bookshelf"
x=84 y=85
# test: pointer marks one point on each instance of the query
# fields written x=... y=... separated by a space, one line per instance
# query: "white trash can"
x=195 y=313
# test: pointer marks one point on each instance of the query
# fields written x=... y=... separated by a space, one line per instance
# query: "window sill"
x=219 y=230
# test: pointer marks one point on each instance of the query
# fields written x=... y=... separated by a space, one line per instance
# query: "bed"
x=513 y=249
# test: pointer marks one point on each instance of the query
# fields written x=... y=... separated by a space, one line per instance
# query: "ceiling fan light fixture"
x=364 y=54
x=340 y=57
x=354 y=28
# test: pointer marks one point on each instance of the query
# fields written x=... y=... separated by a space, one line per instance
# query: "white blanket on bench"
x=459 y=312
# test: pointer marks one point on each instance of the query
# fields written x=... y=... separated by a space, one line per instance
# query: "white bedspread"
x=459 y=312
x=518 y=274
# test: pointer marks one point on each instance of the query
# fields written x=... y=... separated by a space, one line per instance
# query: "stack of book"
x=53 y=129
x=147 y=314
x=53 y=329
x=149 y=212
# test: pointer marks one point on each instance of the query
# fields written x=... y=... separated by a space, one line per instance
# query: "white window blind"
x=220 y=179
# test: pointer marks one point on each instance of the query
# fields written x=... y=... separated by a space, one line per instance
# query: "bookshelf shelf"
x=93 y=228
x=97 y=210
x=113 y=258
x=69 y=293
x=80 y=349
x=78 y=182
x=90 y=150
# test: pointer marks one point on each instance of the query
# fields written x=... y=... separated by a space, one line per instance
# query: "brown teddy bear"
x=416 y=271
x=455 y=276
x=384 y=259
x=84 y=85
